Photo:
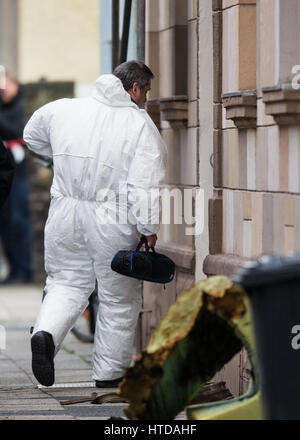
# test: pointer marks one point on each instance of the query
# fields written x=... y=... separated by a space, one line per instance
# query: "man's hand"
x=151 y=240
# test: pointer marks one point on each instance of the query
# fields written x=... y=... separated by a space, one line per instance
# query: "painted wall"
x=58 y=40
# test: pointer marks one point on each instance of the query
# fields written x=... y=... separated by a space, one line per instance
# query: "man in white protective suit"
x=108 y=157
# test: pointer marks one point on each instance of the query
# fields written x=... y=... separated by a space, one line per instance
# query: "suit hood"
x=110 y=91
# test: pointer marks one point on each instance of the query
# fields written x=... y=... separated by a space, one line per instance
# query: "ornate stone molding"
x=223 y=264
x=183 y=256
x=241 y=108
x=283 y=103
x=153 y=108
x=175 y=111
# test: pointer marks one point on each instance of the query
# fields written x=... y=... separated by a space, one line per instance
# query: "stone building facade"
x=227 y=104
x=257 y=125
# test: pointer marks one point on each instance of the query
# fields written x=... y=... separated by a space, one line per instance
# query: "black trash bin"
x=273 y=286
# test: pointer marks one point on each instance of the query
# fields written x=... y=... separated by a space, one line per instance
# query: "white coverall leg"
x=120 y=302
x=71 y=277
x=67 y=290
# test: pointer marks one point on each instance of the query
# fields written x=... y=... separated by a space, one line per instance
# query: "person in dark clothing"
x=15 y=228
x=6 y=173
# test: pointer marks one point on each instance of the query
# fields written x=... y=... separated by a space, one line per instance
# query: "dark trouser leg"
x=20 y=234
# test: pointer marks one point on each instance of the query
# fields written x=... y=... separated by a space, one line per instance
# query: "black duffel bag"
x=144 y=265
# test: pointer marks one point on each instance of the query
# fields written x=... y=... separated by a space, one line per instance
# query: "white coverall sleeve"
x=37 y=132
x=145 y=179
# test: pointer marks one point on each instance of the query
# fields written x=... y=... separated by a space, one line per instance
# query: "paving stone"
x=71 y=393
x=39 y=417
x=23 y=403
x=14 y=380
x=33 y=413
x=92 y=418
x=95 y=410
x=17 y=388
x=24 y=397
x=63 y=364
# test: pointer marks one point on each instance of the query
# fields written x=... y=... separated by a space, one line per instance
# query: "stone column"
x=279 y=61
x=239 y=63
x=205 y=85
x=170 y=53
x=166 y=54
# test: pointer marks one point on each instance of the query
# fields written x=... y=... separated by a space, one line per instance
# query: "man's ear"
x=135 y=87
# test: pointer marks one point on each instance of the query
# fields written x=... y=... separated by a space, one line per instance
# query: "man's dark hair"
x=131 y=72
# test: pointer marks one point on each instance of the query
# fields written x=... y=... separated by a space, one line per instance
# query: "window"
x=106 y=33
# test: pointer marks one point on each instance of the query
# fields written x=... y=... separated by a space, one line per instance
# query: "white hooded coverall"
x=103 y=144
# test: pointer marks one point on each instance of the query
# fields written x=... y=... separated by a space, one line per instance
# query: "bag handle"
x=142 y=241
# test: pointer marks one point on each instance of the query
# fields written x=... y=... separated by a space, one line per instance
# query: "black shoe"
x=42 y=348
x=108 y=383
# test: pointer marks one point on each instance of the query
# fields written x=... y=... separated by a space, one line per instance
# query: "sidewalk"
x=21 y=397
